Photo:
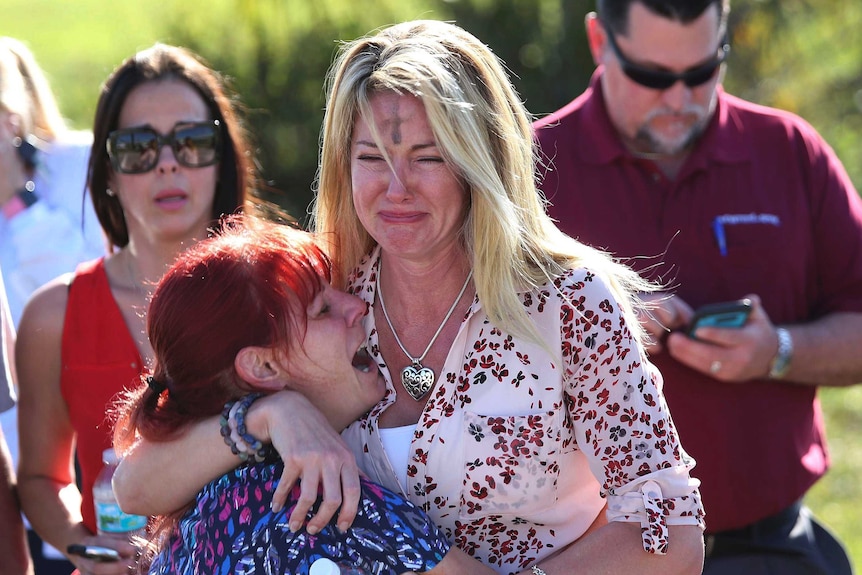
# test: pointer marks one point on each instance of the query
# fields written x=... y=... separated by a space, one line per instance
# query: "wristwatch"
x=781 y=362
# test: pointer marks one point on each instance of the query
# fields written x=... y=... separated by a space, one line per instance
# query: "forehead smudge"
x=395 y=120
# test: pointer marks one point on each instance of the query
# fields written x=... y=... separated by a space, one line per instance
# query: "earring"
x=110 y=192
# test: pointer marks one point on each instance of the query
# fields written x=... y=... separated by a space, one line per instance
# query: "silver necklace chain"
x=417 y=361
x=139 y=289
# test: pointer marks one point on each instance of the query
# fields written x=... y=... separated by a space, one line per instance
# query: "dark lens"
x=655 y=79
x=701 y=75
x=196 y=145
x=662 y=80
x=134 y=151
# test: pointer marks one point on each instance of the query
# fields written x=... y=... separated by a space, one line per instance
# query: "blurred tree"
x=804 y=56
x=278 y=52
x=784 y=54
x=542 y=41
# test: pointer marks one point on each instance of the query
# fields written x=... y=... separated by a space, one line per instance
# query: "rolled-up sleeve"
x=645 y=501
x=621 y=421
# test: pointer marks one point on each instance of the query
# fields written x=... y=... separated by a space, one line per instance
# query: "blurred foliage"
x=279 y=51
x=800 y=55
x=784 y=54
x=79 y=43
x=804 y=56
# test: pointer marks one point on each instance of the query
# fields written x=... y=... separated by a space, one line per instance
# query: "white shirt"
x=61 y=183
x=396 y=442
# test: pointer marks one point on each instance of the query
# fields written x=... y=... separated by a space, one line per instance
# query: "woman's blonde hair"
x=25 y=91
x=485 y=134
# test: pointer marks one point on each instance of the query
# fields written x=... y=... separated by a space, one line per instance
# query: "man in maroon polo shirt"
x=720 y=199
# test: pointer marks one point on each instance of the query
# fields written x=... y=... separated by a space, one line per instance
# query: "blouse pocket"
x=511 y=464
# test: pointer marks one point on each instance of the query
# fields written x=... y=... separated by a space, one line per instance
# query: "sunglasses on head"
x=137 y=150
x=662 y=79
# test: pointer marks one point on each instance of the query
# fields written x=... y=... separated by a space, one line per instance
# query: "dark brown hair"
x=615 y=13
x=236 y=171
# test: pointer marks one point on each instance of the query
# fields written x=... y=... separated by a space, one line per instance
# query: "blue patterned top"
x=231 y=529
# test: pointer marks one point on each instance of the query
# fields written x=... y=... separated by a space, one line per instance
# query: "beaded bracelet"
x=233 y=430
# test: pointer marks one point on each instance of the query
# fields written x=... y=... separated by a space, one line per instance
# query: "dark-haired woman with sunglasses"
x=169 y=157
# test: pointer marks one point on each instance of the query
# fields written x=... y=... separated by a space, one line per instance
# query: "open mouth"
x=363 y=361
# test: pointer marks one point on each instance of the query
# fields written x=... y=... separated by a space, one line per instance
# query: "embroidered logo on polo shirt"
x=720 y=221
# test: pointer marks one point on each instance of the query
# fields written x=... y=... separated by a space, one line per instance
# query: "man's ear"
x=258 y=366
x=597 y=37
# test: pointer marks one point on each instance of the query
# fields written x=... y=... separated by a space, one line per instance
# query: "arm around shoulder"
x=311 y=449
x=150 y=465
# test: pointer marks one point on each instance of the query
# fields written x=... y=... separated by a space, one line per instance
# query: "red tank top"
x=99 y=359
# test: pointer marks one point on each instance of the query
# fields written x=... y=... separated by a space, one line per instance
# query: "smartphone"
x=732 y=314
x=94 y=552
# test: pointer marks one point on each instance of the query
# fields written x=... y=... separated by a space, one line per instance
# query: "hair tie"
x=155 y=384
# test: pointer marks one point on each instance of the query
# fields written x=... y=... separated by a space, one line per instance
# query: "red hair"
x=248 y=285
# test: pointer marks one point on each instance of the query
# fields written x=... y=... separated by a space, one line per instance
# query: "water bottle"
x=325 y=566
x=110 y=519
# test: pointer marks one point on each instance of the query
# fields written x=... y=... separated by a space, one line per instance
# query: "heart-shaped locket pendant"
x=417 y=380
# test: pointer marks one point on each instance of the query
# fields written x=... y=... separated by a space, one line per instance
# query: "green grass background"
x=79 y=42
x=836 y=499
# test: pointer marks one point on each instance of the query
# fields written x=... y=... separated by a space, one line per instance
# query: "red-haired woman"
x=250 y=311
x=169 y=157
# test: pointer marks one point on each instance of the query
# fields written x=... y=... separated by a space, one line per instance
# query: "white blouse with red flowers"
x=517 y=449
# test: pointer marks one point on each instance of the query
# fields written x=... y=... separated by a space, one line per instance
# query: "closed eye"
x=430 y=163
x=318 y=307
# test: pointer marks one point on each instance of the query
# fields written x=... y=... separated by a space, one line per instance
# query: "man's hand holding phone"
x=730 y=341
x=728 y=314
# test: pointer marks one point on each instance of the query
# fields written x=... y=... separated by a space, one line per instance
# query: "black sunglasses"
x=137 y=150
x=662 y=79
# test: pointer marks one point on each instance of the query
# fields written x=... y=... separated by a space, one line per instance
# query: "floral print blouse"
x=520 y=445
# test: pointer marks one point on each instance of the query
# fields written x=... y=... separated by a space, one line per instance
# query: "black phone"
x=94 y=552
x=731 y=314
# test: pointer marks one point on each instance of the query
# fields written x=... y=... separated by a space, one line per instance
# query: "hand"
x=129 y=554
x=312 y=452
x=730 y=354
x=662 y=314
